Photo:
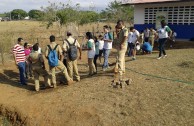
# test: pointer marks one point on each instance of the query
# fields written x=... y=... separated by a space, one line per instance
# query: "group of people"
x=144 y=40
x=65 y=58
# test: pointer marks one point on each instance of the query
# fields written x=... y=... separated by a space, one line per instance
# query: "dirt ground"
x=162 y=93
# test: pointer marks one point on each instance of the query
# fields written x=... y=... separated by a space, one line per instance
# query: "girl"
x=163 y=33
x=91 y=53
x=96 y=52
x=27 y=51
x=101 y=45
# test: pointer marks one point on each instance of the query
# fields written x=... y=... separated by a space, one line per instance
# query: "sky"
x=27 y=5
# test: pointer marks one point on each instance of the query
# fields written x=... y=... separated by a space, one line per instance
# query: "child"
x=91 y=53
x=96 y=52
x=38 y=67
x=101 y=45
x=27 y=50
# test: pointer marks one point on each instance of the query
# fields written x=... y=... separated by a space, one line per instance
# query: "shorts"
x=100 y=52
x=131 y=46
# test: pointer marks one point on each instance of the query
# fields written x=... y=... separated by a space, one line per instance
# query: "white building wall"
x=139 y=15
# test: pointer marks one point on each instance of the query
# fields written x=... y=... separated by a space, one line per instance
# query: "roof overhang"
x=135 y=2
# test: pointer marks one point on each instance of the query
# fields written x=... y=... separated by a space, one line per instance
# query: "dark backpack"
x=72 y=51
x=52 y=56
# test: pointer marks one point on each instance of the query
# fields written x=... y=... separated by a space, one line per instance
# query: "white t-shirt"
x=101 y=44
x=130 y=37
x=162 y=32
x=91 y=53
x=135 y=35
x=107 y=45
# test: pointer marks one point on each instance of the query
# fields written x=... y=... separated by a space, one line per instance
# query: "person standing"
x=38 y=68
x=91 y=53
x=71 y=47
x=28 y=69
x=146 y=34
x=54 y=55
x=134 y=40
x=101 y=45
x=130 y=49
x=152 y=37
x=96 y=52
x=164 y=34
x=122 y=40
x=108 y=39
x=20 y=58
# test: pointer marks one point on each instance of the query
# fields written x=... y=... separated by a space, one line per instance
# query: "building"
x=179 y=14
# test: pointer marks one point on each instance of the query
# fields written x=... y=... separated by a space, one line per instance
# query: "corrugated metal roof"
x=148 y=1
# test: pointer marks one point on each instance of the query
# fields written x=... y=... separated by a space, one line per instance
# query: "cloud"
x=9 y=5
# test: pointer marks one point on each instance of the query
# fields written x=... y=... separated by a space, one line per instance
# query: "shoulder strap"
x=55 y=47
x=68 y=42
x=49 y=47
x=74 y=42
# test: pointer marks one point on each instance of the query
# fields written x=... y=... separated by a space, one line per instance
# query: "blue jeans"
x=161 y=43
x=21 y=67
x=106 y=53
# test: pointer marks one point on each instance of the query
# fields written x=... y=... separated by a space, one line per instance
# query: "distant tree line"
x=65 y=13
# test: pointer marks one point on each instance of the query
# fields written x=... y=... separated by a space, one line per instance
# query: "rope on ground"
x=164 y=78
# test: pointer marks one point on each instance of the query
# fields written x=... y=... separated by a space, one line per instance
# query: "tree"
x=35 y=14
x=117 y=11
x=88 y=17
x=18 y=14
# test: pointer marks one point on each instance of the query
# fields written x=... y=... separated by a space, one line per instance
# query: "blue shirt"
x=147 y=47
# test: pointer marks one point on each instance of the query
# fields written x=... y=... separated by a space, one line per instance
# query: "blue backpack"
x=52 y=56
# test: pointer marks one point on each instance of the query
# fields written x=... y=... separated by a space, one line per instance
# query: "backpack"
x=52 y=56
x=72 y=51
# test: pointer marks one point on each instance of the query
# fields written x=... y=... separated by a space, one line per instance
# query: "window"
x=176 y=15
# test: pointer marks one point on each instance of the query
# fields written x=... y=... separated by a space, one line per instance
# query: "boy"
x=38 y=67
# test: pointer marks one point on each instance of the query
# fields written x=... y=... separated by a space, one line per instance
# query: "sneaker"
x=133 y=58
x=78 y=80
x=104 y=69
x=159 y=57
x=164 y=56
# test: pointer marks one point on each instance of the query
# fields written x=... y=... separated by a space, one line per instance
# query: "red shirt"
x=18 y=50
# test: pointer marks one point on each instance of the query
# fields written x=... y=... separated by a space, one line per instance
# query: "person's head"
x=35 y=47
x=95 y=39
x=106 y=28
x=131 y=29
x=37 y=44
x=151 y=29
x=89 y=35
x=52 y=38
x=147 y=28
x=20 y=41
x=25 y=45
x=120 y=24
x=100 y=37
x=69 y=34
x=163 y=23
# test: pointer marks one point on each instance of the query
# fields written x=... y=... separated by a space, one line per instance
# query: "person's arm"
x=138 y=36
x=60 y=52
x=42 y=61
x=110 y=36
x=46 y=52
x=14 y=55
x=89 y=46
x=124 y=38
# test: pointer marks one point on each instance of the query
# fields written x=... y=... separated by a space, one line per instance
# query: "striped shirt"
x=18 y=50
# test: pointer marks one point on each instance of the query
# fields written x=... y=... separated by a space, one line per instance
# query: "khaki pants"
x=72 y=68
x=37 y=71
x=121 y=60
x=92 y=68
x=62 y=68
x=151 y=40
